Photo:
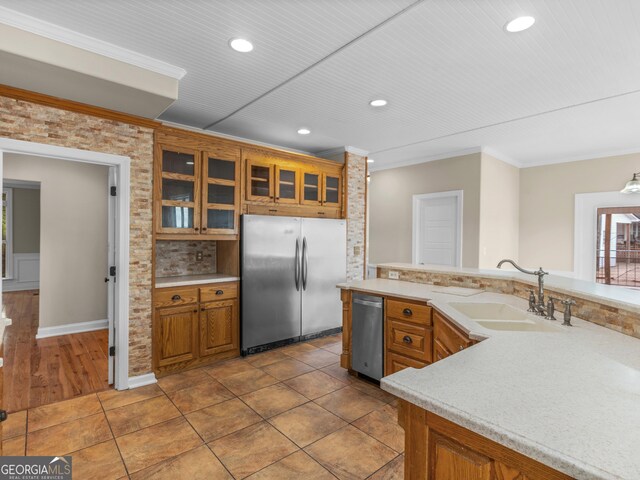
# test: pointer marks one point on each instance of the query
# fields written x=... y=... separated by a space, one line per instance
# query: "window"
x=7 y=233
x=618 y=246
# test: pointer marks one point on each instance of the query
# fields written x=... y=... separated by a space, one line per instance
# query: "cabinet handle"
x=407 y=311
x=321 y=213
x=407 y=339
x=175 y=298
x=219 y=292
x=274 y=210
x=461 y=347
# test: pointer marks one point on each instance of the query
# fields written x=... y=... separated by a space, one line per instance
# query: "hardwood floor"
x=39 y=372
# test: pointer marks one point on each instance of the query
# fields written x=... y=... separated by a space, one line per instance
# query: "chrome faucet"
x=538 y=306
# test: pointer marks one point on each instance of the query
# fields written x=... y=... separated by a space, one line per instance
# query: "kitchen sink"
x=500 y=316
x=490 y=311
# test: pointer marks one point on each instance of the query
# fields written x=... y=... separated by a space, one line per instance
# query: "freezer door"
x=270 y=300
x=324 y=264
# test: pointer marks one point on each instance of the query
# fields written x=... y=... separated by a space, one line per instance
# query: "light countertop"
x=611 y=295
x=569 y=399
x=186 y=280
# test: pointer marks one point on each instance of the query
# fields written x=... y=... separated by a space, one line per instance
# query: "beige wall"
x=391 y=204
x=26 y=220
x=547 y=196
x=499 y=211
x=73 y=244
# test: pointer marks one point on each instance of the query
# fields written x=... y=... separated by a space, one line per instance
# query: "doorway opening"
x=75 y=336
x=437 y=228
x=618 y=246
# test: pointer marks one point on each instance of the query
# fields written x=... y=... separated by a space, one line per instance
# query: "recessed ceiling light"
x=370 y=160
x=241 y=45
x=378 y=103
x=304 y=131
x=519 y=24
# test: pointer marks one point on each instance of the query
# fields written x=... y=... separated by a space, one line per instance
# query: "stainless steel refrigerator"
x=290 y=268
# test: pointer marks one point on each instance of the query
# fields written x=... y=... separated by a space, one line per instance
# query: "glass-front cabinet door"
x=220 y=194
x=311 y=187
x=331 y=190
x=179 y=191
x=287 y=184
x=260 y=181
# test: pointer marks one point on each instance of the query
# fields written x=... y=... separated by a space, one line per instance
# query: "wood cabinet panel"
x=505 y=472
x=452 y=461
x=219 y=328
x=448 y=336
x=395 y=362
x=409 y=311
x=174 y=297
x=440 y=352
x=409 y=339
x=218 y=291
x=176 y=334
x=220 y=191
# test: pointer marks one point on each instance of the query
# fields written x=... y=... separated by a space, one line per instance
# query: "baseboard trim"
x=9 y=286
x=44 y=332
x=142 y=380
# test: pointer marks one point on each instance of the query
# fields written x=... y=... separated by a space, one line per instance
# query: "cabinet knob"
x=219 y=292
x=195 y=310
x=175 y=298
x=407 y=311
x=461 y=347
x=3 y=415
x=407 y=339
x=204 y=229
x=196 y=229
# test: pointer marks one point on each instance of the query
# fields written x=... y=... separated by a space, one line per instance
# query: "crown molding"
x=499 y=156
x=579 y=158
x=64 y=35
x=378 y=166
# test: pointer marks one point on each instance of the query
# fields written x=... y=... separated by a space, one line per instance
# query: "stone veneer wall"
x=356 y=175
x=618 y=319
x=179 y=257
x=31 y=122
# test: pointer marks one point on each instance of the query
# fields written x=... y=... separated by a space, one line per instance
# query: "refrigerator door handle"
x=305 y=265
x=297 y=266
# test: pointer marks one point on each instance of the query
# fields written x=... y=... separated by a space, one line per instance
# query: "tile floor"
x=290 y=413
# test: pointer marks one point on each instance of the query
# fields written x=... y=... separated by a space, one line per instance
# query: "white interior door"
x=437 y=228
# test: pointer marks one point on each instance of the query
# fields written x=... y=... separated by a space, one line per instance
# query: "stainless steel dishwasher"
x=367 y=318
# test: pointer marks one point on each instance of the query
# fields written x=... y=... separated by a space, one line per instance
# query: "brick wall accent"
x=31 y=122
x=178 y=257
x=356 y=181
x=609 y=316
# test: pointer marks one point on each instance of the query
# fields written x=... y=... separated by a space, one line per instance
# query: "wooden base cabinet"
x=437 y=449
x=193 y=326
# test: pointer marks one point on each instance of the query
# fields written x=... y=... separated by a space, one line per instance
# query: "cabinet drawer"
x=409 y=339
x=220 y=291
x=448 y=336
x=174 y=297
x=409 y=311
x=395 y=362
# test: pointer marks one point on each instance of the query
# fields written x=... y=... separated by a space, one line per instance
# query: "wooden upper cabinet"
x=177 y=190
x=315 y=189
x=287 y=179
x=331 y=190
x=197 y=191
x=220 y=191
x=260 y=180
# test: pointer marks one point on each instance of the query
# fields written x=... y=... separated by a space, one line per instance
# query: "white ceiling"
x=567 y=88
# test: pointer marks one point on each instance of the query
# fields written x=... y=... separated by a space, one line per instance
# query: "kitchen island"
x=559 y=403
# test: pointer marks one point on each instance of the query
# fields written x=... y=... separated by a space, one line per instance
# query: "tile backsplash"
x=178 y=257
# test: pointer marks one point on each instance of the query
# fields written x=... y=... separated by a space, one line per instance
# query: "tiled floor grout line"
x=104 y=412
